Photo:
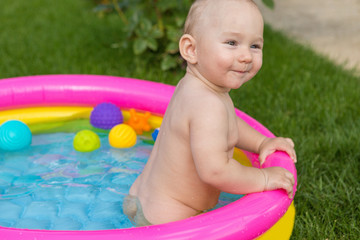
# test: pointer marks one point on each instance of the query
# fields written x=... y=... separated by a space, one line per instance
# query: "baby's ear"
x=187 y=47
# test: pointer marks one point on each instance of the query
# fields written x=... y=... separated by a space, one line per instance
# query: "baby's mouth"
x=241 y=71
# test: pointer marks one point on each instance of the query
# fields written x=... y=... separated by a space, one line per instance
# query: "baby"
x=191 y=162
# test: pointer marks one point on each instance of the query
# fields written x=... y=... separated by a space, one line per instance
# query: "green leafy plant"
x=151 y=28
x=269 y=3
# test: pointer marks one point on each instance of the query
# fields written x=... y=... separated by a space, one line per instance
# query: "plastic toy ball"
x=106 y=116
x=86 y=141
x=14 y=135
x=122 y=136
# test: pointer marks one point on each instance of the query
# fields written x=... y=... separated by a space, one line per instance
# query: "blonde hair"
x=195 y=11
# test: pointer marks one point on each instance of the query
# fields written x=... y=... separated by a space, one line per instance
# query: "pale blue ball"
x=14 y=135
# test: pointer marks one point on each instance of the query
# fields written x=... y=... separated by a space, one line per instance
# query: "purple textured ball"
x=106 y=116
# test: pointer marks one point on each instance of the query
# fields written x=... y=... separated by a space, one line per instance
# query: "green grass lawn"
x=296 y=94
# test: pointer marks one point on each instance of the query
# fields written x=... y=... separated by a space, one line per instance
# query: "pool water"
x=51 y=186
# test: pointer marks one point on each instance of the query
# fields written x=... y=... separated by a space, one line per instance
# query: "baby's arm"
x=210 y=148
x=253 y=141
x=275 y=177
x=211 y=153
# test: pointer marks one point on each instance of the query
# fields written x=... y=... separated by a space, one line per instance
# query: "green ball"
x=86 y=141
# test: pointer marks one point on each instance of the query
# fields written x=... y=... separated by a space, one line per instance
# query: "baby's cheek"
x=225 y=61
x=257 y=63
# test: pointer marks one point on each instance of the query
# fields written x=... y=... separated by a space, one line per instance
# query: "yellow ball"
x=86 y=141
x=122 y=136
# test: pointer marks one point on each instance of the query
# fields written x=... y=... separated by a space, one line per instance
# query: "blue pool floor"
x=51 y=186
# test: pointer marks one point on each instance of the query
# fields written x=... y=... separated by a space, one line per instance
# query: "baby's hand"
x=270 y=145
x=279 y=178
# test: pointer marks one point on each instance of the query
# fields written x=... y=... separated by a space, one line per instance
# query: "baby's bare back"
x=170 y=188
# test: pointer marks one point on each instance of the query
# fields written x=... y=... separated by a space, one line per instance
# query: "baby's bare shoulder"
x=196 y=100
x=208 y=111
x=207 y=102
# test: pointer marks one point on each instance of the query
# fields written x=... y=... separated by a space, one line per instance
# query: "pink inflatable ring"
x=246 y=218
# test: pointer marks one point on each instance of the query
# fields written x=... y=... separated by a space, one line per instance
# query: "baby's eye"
x=256 y=46
x=231 y=43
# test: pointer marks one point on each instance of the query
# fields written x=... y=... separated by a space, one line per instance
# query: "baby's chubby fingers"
x=289 y=184
x=290 y=141
x=287 y=145
x=270 y=145
x=291 y=150
x=264 y=154
x=279 y=178
x=290 y=192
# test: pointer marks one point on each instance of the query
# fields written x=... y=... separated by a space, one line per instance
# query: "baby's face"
x=229 y=42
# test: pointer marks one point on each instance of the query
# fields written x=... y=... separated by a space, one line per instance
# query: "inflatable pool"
x=49 y=99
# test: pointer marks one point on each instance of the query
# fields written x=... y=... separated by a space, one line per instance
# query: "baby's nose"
x=244 y=55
